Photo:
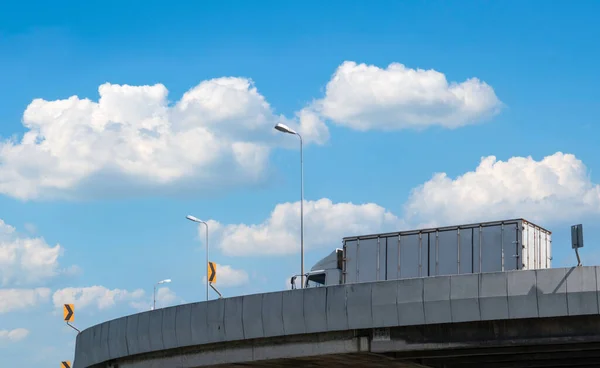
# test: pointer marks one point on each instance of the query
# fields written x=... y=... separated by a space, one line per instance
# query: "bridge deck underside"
x=525 y=343
x=549 y=356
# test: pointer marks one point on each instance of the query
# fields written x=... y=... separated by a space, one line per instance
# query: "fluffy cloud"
x=165 y=297
x=25 y=260
x=220 y=131
x=326 y=223
x=95 y=296
x=556 y=188
x=15 y=335
x=132 y=140
x=19 y=299
x=365 y=97
x=228 y=276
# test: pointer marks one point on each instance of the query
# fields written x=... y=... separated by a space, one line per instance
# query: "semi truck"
x=514 y=244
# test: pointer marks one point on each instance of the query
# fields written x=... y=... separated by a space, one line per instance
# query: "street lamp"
x=194 y=219
x=158 y=283
x=285 y=129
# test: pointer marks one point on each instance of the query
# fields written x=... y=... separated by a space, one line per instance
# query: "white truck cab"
x=326 y=272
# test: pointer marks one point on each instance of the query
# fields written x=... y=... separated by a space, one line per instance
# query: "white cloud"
x=19 y=299
x=556 y=188
x=325 y=223
x=132 y=139
x=165 y=297
x=95 y=296
x=15 y=335
x=228 y=276
x=365 y=97
x=25 y=260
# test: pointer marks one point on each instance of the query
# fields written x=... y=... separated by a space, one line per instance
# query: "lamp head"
x=285 y=129
x=192 y=218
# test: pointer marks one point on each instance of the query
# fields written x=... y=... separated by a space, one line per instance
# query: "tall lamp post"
x=155 y=285
x=285 y=129
x=194 y=219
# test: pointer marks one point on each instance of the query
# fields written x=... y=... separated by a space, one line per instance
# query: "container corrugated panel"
x=537 y=246
x=472 y=248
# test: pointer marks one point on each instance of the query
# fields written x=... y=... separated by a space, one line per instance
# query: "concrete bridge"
x=542 y=318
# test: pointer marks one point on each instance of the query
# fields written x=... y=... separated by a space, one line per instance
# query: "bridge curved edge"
x=443 y=299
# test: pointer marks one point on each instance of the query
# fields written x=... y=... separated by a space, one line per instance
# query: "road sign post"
x=68 y=312
x=212 y=277
x=577 y=240
x=212 y=273
x=69 y=315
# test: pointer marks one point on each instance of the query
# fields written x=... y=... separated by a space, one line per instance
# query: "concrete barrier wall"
x=443 y=299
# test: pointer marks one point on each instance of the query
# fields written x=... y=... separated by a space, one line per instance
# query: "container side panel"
x=367 y=264
x=447 y=252
x=382 y=264
x=491 y=249
x=527 y=255
x=351 y=262
x=466 y=251
x=409 y=256
x=392 y=258
x=425 y=250
x=549 y=247
x=543 y=249
x=477 y=236
x=431 y=255
x=510 y=247
x=532 y=244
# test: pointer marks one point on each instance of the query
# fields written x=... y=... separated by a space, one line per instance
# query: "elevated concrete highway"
x=543 y=318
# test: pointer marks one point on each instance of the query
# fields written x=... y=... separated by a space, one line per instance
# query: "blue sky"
x=114 y=197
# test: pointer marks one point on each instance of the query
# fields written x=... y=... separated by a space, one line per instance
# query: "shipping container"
x=482 y=247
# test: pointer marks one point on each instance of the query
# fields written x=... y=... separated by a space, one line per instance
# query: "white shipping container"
x=473 y=248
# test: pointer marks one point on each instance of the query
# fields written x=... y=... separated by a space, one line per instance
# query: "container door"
x=368 y=261
x=351 y=261
x=393 y=258
x=411 y=263
x=510 y=246
x=466 y=251
x=382 y=259
x=447 y=253
x=491 y=248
